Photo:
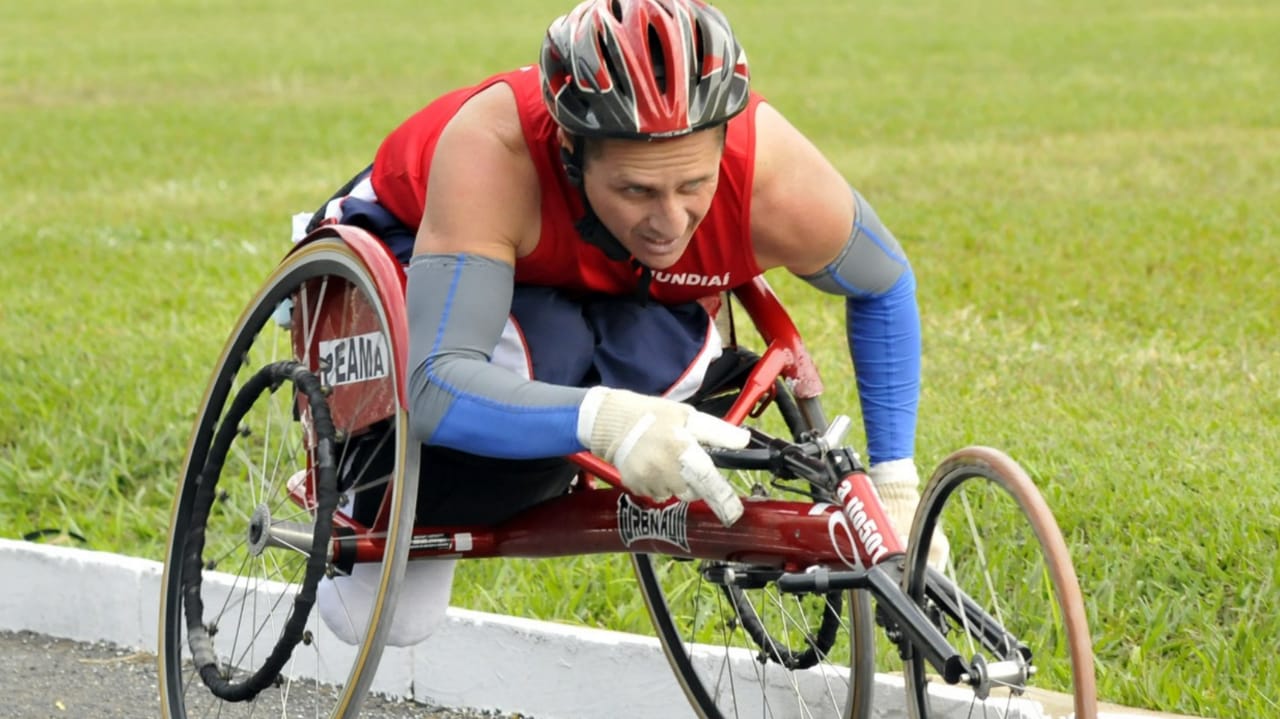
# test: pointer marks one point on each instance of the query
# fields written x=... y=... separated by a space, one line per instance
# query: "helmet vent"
x=616 y=8
x=610 y=61
x=699 y=60
x=658 y=58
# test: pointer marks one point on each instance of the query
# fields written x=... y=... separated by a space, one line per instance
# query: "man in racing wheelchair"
x=563 y=226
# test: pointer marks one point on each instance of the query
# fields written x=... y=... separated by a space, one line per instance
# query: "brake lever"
x=833 y=436
x=761 y=453
x=783 y=459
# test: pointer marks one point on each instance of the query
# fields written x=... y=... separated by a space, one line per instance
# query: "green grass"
x=1088 y=191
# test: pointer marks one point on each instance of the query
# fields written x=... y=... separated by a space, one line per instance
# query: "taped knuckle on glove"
x=649 y=465
x=704 y=479
x=701 y=475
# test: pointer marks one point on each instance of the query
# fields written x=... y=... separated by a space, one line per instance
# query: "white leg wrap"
x=345 y=603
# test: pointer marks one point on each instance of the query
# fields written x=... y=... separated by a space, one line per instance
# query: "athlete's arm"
x=481 y=214
x=480 y=210
x=805 y=217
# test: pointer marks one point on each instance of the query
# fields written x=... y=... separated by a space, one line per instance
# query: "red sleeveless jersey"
x=719 y=256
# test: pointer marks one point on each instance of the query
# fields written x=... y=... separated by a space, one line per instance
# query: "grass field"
x=1089 y=191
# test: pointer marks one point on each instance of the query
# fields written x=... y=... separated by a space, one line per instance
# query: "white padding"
x=345 y=602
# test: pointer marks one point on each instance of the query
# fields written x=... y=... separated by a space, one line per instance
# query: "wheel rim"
x=247 y=587
x=1007 y=556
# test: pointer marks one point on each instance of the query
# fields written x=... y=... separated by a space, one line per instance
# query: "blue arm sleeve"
x=505 y=429
x=884 y=341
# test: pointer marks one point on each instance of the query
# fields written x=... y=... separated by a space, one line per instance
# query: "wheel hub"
x=259 y=529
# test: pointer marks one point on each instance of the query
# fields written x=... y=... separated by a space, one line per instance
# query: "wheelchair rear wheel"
x=275 y=501
x=742 y=648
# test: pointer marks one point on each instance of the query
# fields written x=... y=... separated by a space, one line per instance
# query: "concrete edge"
x=478 y=660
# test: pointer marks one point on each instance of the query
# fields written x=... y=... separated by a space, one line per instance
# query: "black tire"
x=735 y=650
x=1008 y=562
x=269 y=479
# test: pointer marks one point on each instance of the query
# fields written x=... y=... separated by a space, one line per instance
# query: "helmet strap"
x=572 y=161
x=589 y=226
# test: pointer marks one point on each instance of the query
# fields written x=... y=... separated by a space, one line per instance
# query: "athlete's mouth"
x=660 y=242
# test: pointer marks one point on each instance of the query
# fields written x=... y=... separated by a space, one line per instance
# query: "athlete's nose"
x=669 y=217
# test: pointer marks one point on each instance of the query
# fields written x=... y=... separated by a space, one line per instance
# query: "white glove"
x=654 y=443
x=898 y=485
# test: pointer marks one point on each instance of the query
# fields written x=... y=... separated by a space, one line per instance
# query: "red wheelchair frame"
x=788 y=535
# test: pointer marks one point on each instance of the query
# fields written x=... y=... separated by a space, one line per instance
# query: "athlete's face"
x=652 y=194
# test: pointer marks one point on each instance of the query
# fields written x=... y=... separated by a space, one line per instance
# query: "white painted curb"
x=477 y=660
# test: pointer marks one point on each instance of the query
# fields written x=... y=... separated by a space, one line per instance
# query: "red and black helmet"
x=642 y=69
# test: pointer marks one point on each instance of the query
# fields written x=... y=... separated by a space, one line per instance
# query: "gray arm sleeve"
x=457 y=307
x=871 y=262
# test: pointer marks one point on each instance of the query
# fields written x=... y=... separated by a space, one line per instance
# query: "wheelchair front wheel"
x=1007 y=598
x=281 y=462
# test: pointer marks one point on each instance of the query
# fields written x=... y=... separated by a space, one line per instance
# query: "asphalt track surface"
x=46 y=678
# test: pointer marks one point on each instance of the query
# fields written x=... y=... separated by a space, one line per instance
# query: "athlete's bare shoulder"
x=801 y=207
x=484 y=195
x=494 y=111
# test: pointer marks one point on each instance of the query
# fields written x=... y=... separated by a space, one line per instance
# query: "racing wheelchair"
x=775 y=616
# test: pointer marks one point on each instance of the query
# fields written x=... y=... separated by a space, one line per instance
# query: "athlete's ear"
x=565 y=139
x=571 y=151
